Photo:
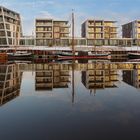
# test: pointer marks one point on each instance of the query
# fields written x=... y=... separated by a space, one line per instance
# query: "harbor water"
x=70 y=100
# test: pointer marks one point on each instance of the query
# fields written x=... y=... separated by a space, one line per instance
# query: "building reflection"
x=94 y=76
x=132 y=76
x=99 y=76
x=10 y=82
x=49 y=76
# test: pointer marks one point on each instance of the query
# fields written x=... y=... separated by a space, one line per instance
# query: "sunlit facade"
x=49 y=29
x=99 y=29
x=10 y=27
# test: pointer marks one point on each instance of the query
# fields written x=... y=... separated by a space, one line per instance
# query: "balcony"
x=95 y=24
x=15 y=17
x=43 y=31
x=61 y=25
x=64 y=31
x=44 y=24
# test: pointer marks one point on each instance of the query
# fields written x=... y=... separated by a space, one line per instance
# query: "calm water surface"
x=64 y=101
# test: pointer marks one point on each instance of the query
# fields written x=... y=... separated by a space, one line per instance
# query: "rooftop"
x=9 y=10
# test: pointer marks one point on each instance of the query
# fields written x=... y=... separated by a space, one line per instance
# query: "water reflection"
x=55 y=100
x=49 y=76
x=96 y=75
x=10 y=82
x=132 y=76
x=99 y=76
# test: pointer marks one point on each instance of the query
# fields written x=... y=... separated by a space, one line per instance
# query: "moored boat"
x=84 y=55
x=134 y=55
x=19 y=55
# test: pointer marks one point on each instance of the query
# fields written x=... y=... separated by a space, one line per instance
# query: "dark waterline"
x=102 y=102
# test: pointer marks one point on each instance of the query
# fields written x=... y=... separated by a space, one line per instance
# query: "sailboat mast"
x=73 y=49
x=73 y=52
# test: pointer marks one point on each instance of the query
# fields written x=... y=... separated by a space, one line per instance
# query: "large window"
x=108 y=23
x=98 y=36
x=2 y=33
x=10 y=41
x=56 y=29
x=8 y=26
x=56 y=35
x=3 y=41
x=9 y=34
x=90 y=42
x=98 y=30
x=1 y=19
x=98 y=23
x=1 y=26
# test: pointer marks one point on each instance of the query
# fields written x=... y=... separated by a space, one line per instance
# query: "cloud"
x=26 y=4
x=45 y=14
x=51 y=2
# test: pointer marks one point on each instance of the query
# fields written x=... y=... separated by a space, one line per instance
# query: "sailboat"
x=134 y=55
x=81 y=54
x=19 y=55
x=99 y=54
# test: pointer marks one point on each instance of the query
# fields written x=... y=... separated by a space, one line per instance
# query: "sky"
x=122 y=11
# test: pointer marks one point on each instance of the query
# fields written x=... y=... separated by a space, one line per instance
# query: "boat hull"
x=20 y=56
x=134 y=56
x=85 y=57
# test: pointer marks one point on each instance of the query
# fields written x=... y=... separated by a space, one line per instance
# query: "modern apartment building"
x=10 y=82
x=131 y=30
x=99 y=29
x=10 y=27
x=49 y=30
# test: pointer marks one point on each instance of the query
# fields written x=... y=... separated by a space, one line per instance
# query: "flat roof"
x=43 y=19
x=99 y=20
x=9 y=10
x=51 y=20
x=60 y=20
x=131 y=22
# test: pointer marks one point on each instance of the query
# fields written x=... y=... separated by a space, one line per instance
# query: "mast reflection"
x=73 y=81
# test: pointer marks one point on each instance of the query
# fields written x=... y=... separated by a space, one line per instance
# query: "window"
x=3 y=41
x=1 y=26
x=8 y=26
x=2 y=33
x=9 y=34
x=1 y=19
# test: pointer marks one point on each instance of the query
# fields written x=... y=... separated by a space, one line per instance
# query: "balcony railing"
x=43 y=24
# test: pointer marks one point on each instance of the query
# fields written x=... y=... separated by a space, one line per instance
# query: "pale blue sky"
x=119 y=10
